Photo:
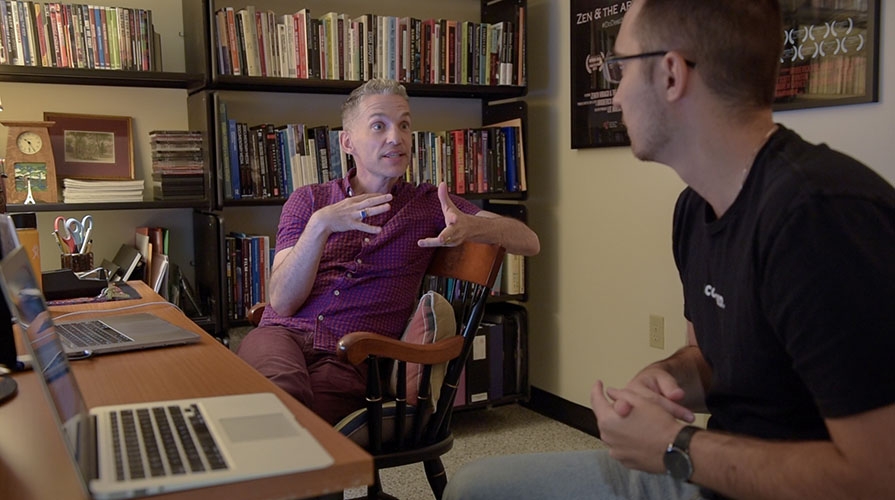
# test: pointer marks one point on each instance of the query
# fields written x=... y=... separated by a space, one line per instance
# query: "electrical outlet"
x=656 y=331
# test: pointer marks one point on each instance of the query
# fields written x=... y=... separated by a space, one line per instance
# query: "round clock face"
x=29 y=143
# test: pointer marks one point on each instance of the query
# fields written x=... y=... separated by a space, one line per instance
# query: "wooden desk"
x=35 y=465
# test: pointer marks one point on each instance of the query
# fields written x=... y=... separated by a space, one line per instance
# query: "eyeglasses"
x=612 y=66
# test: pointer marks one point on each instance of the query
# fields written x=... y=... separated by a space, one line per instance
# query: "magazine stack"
x=178 y=168
x=77 y=191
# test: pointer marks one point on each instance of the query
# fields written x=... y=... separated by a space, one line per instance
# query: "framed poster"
x=594 y=28
x=92 y=146
x=830 y=53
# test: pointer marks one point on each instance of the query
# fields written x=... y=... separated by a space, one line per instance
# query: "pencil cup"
x=77 y=262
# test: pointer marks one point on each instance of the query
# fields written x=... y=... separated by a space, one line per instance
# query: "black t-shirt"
x=792 y=291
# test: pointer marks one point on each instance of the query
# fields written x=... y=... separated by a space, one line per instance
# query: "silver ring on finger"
x=363 y=214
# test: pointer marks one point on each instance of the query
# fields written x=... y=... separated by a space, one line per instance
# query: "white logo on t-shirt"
x=711 y=292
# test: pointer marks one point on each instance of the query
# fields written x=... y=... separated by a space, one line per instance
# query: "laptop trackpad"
x=258 y=427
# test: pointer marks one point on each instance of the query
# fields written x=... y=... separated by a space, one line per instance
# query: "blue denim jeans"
x=590 y=474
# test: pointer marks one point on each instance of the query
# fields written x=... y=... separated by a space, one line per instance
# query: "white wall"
x=604 y=219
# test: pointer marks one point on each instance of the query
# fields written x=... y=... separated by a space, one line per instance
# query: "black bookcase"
x=498 y=103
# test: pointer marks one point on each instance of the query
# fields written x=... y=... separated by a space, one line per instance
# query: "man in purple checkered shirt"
x=352 y=252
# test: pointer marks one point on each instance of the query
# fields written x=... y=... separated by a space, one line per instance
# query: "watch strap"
x=682 y=440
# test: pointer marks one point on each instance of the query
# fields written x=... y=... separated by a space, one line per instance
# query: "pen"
x=87 y=230
x=59 y=243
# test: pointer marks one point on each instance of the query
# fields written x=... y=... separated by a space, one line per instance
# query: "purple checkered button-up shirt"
x=365 y=282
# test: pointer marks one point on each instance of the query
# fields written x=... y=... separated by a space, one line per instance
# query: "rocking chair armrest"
x=255 y=313
x=357 y=346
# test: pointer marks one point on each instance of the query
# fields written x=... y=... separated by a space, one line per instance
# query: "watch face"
x=678 y=464
x=29 y=143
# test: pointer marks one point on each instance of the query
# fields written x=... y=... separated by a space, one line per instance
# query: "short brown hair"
x=375 y=86
x=736 y=44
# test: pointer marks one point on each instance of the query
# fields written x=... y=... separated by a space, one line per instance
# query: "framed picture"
x=31 y=182
x=92 y=146
x=594 y=28
x=830 y=57
x=830 y=54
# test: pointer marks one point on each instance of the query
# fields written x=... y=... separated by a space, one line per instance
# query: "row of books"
x=335 y=46
x=61 y=35
x=178 y=164
x=271 y=161
x=482 y=160
x=247 y=268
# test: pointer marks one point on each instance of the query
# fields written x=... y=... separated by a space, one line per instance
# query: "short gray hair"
x=375 y=86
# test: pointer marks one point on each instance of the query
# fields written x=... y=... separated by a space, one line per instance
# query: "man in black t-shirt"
x=786 y=253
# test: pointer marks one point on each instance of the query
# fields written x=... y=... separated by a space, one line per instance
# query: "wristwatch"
x=677 y=457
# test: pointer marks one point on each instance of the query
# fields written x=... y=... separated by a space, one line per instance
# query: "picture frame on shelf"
x=92 y=146
x=30 y=182
x=830 y=55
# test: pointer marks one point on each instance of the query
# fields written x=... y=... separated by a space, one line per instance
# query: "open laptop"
x=121 y=333
x=142 y=449
x=97 y=335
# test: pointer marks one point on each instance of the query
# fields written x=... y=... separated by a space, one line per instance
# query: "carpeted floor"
x=502 y=430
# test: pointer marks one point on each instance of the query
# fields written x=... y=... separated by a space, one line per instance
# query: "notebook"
x=135 y=450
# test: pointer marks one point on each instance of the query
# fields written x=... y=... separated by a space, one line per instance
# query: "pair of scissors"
x=80 y=230
x=63 y=235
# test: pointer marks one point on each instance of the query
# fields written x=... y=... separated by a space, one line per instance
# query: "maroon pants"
x=328 y=386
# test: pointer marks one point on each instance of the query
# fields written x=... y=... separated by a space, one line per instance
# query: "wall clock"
x=30 y=165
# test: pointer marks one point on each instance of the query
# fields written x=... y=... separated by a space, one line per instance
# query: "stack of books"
x=75 y=191
x=178 y=166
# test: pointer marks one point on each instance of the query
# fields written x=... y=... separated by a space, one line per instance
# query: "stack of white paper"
x=76 y=191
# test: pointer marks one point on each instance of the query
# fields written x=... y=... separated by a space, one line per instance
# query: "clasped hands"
x=638 y=421
x=353 y=213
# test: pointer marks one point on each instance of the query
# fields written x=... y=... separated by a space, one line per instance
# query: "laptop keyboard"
x=88 y=333
x=162 y=441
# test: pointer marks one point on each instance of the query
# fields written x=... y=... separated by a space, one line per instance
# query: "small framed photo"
x=31 y=182
x=92 y=146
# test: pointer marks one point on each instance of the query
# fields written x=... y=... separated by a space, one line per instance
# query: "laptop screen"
x=26 y=302
x=8 y=242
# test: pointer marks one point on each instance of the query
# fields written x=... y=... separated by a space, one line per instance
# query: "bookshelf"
x=154 y=99
x=316 y=101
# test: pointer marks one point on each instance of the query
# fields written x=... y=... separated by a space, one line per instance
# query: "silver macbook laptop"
x=121 y=333
x=143 y=449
